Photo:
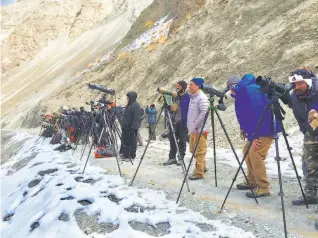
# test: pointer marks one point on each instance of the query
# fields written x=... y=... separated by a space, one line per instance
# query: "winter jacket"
x=302 y=105
x=198 y=107
x=184 y=106
x=152 y=115
x=249 y=107
x=183 y=103
x=131 y=118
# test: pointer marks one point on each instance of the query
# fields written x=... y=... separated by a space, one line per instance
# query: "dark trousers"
x=181 y=136
x=129 y=143
x=152 y=132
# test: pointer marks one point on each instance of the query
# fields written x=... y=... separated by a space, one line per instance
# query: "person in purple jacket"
x=179 y=120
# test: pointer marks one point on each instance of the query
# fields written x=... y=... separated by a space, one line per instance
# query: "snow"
x=226 y=156
x=159 y=30
x=30 y=202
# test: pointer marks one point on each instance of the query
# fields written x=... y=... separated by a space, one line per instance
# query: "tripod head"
x=274 y=97
x=221 y=106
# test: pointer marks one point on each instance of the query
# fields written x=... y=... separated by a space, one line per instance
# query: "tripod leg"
x=84 y=149
x=294 y=165
x=214 y=146
x=234 y=152
x=278 y=159
x=89 y=153
x=194 y=151
x=39 y=134
x=113 y=140
x=145 y=150
x=281 y=193
x=177 y=146
x=246 y=152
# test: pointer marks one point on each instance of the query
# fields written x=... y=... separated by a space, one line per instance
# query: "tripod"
x=213 y=109
x=179 y=158
x=276 y=112
x=111 y=137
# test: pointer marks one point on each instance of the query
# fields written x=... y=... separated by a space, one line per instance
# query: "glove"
x=313 y=119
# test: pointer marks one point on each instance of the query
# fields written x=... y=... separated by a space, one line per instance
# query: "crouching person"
x=198 y=107
x=249 y=107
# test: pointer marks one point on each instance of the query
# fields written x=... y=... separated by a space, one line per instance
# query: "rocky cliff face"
x=212 y=39
x=45 y=42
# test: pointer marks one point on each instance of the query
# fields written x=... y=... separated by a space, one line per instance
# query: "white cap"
x=298 y=78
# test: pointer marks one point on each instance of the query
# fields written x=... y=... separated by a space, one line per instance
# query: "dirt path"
x=264 y=220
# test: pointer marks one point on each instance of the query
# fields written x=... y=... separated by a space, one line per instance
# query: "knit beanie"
x=183 y=84
x=234 y=79
x=198 y=81
x=301 y=75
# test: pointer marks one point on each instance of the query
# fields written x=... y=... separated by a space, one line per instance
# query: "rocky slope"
x=212 y=39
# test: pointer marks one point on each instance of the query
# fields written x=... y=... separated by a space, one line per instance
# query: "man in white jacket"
x=198 y=107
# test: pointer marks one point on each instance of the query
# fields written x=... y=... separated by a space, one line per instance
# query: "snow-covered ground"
x=45 y=194
x=226 y=156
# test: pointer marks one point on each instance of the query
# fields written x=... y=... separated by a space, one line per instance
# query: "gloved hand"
x=313 y=119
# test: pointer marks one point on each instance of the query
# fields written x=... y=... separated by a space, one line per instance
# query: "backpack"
x=105 y=152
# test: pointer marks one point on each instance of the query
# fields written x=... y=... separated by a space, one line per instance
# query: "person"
x=198 y=108
x=152 y=118
x=130 y=125
x=139 y=137
x=304 y=99
x=179 y=113
x=249 y=105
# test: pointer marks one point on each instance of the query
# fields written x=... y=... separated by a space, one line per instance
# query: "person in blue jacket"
x=179 y=114
x=152 y=118
x=250 y=103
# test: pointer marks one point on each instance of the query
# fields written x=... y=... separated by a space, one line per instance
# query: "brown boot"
x=195 y=177
x=245 y=186
x=258 y=192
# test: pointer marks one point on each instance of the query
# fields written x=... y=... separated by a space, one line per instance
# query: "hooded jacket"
x=152 y=115
x=302 y=105
x=250 y=104
x=131 y=118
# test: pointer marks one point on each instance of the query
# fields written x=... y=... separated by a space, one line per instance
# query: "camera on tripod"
x=166 y=96
x=208 y=89
x=282 y=90
x=101 y=88
x=166 y=92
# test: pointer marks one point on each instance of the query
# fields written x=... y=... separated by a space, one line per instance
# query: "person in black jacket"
x=304 y=99
x=130 y=125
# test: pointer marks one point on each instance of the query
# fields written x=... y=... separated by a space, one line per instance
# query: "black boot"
x=170 y=162
x=301 y=201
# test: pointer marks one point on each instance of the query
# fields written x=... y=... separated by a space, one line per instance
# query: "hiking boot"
x=195 y=177
x=244 y=186
x=301 y=201
x=60 y=147
x=124 y=159
x=259 y=192
x=170 y=162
